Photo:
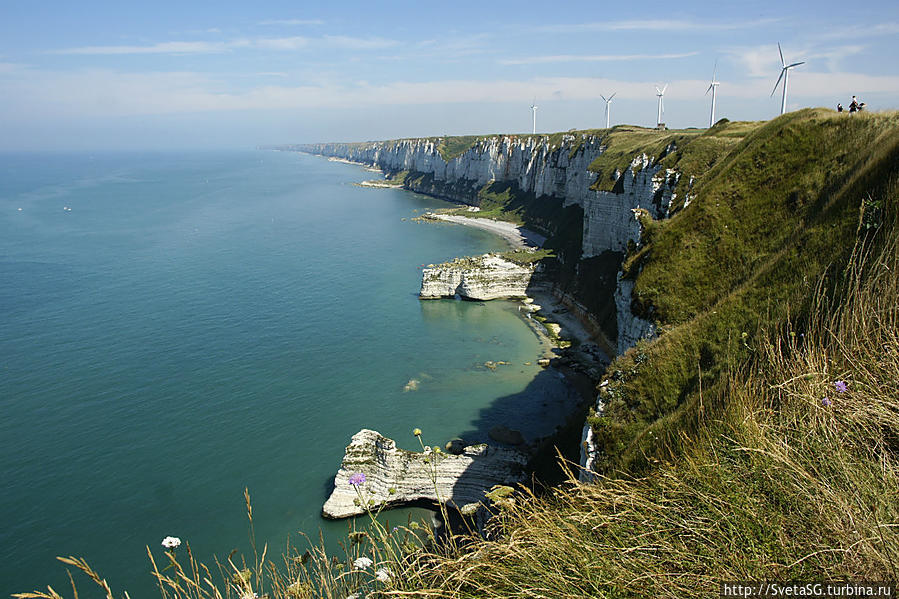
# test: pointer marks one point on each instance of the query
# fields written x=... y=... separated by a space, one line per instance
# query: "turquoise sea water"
x=176 y=327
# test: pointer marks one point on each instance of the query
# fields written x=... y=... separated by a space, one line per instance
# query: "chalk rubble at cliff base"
x=396 y=477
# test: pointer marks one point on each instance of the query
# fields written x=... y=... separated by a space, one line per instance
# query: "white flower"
x=171 y=542
x=249 y=595
x=362 y=563
x=383 y=574
x=354 y=596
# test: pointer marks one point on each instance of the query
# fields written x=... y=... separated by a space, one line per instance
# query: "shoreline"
x=539 y=300
x=516 y=236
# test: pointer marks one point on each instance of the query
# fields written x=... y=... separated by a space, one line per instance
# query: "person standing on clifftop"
x=853 y=107
x=839 y=107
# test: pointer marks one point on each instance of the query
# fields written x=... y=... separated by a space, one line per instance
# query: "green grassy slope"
x=768 y=220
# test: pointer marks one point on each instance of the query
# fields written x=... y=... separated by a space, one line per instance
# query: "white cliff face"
x=395 y=477
x=479 y=278
x=609 y=216
x=631 y=328
x=610 y=221
x=536 y=167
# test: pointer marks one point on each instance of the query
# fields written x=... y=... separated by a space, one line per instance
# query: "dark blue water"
x=177 y=327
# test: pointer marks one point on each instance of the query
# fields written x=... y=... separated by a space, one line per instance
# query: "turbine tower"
x=661 y=94
x=534 y=110
x=608 y=103
x=713 y=87
x=784 y=74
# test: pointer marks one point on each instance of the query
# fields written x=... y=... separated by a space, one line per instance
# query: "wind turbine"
x=660 y=94
x=784 y=74
x=534 y=110
x=713 y=87
x=608 y=103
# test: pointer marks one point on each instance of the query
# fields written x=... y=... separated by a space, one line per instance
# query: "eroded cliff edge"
x=596 y=196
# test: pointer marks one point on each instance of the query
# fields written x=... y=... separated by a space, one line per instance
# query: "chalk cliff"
x=396 y=477
x=535 y=166
x=611 y=222
x=479 y=278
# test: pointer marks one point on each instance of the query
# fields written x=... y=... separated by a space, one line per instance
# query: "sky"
x=204 y=75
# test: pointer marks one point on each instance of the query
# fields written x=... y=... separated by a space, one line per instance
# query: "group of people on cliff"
x=854 y=106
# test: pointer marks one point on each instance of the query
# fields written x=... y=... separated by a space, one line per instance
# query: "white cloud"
x=40 y=95
x=860 y=31
x=203 y=47
x=763 y=61
x=655 y=25
x=160 y=48
x=593 y=58
x=357 y=43
x=292 y=22
x=282 y=43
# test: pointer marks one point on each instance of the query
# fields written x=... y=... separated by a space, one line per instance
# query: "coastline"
x=517 y=237
x=575 y=365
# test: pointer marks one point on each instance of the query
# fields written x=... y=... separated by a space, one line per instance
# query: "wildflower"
x=469 y=509
x=361 y=563
x=357 y=479
x=825 y=402
x=171 y=542
x=416 y=432
x=354 y=596
x=841 y=386
x=383 y=574
x=249 y=595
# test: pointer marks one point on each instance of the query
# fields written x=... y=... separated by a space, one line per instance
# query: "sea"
x=177 y=328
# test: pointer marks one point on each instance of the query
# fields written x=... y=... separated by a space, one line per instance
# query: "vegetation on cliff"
x=756 y=438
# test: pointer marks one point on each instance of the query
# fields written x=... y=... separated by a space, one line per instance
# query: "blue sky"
x=166 y=75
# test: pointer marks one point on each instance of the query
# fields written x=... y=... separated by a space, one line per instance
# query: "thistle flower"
x=171 y=542
x=357 y=479
x=383 y=574
x=361 y=563
x=825 y=402
x=841 y=386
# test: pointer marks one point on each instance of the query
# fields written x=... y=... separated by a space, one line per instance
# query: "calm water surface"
x=177 y=327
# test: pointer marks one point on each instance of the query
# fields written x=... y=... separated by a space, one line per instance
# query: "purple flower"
x=841 y=386
x=357 y=479
x=825 y=402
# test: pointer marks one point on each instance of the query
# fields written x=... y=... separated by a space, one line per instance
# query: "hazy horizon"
x=105 y=76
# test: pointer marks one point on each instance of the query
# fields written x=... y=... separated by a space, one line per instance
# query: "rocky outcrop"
x=396 y=477
x=479 y=278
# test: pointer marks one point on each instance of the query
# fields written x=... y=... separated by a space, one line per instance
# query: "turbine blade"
x=795 y=64
x=612 y=96
x=664 y=88
x=658 y=91
x=782 y=61
x=708 y=90
x=715 y=70
x=782 y=71
x=603 y=97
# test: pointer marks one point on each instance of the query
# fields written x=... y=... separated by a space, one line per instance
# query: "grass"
x=721 y=458
x=779 y=484
x=775 y=215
